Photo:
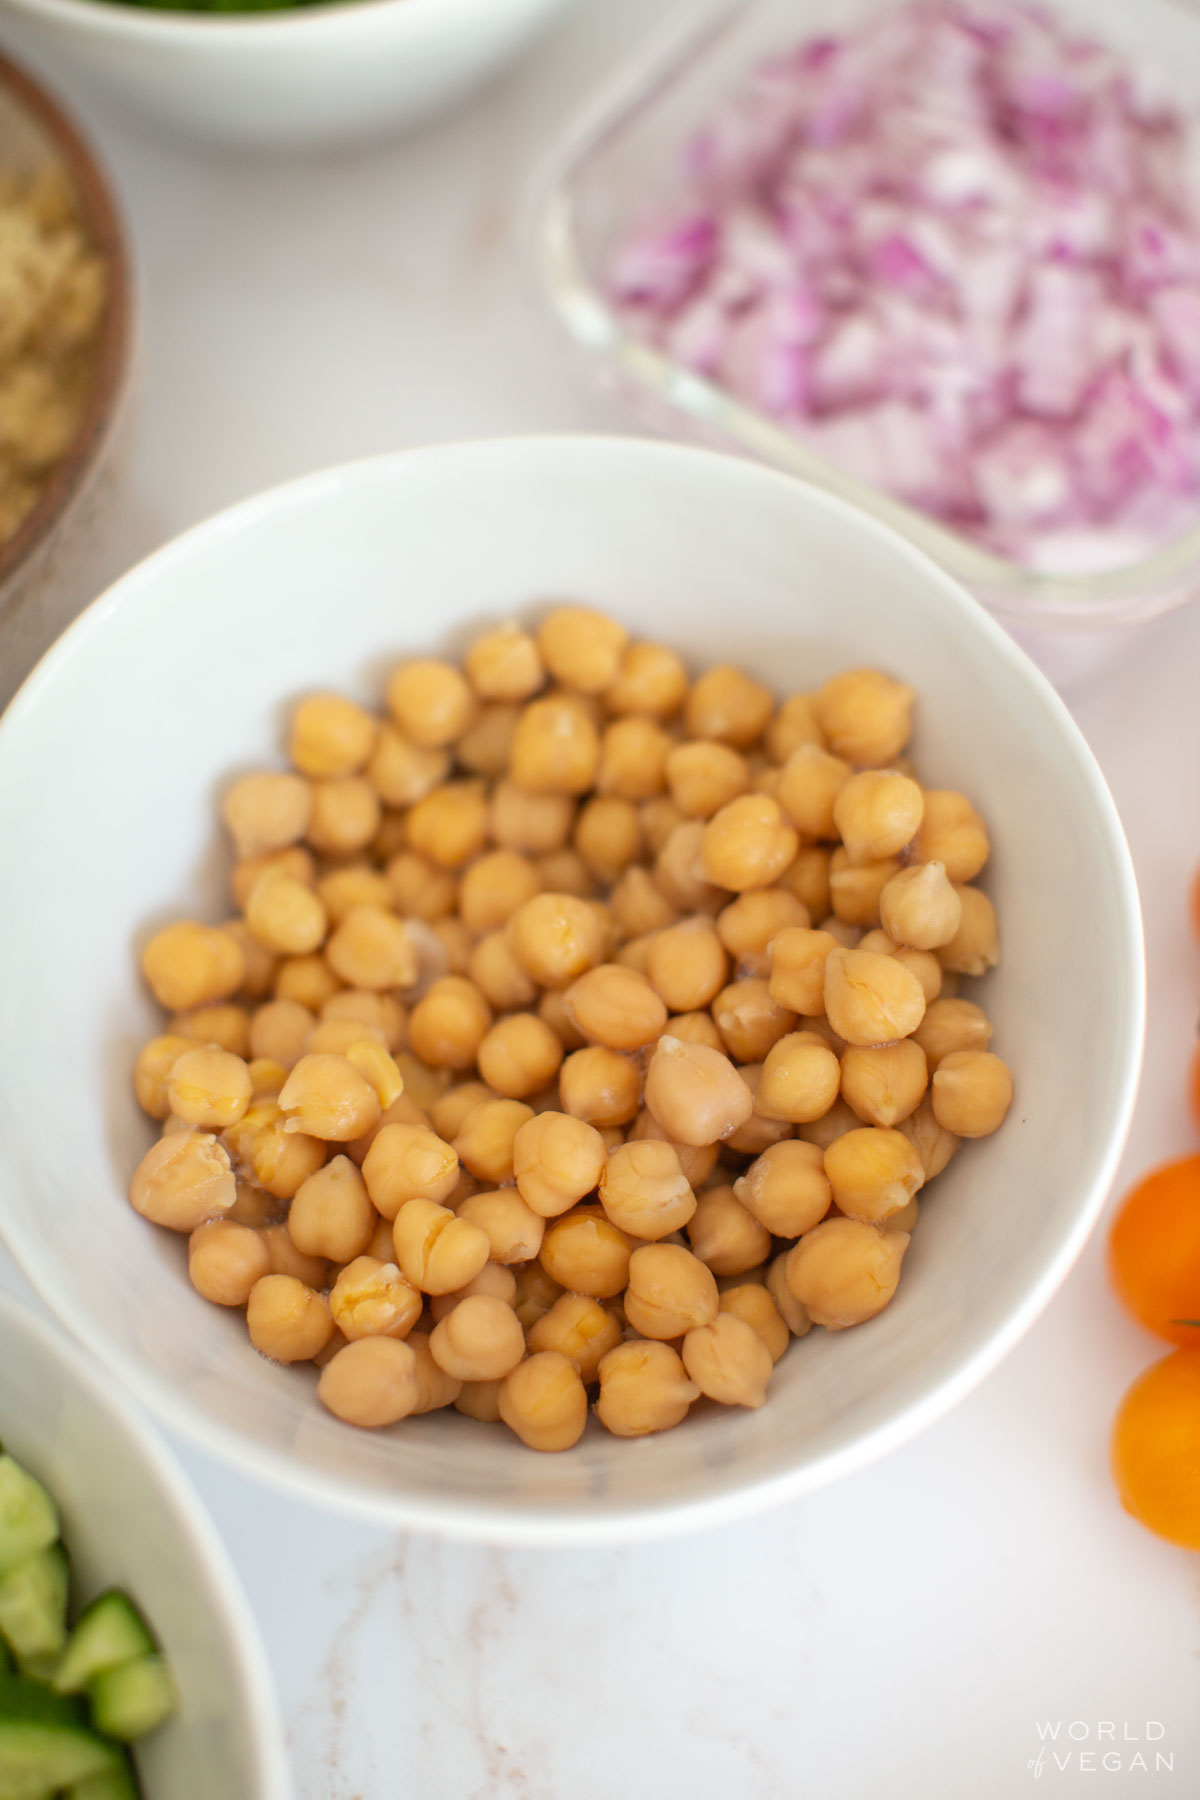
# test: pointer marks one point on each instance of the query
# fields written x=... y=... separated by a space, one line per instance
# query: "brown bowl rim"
x=106 y=235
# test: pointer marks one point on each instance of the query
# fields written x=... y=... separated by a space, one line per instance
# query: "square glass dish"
x=625 y=152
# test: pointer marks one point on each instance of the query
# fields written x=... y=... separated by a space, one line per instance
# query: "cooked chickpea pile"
x=582 y=1029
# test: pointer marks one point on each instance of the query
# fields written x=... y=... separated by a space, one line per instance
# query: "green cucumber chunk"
x=28 y=1516
x=110 y=1631
x=132 y=1699
x=33 y=1605
x=44 y=1744
x=114 y=1784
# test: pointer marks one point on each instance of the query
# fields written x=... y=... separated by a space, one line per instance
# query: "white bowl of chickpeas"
x=505 y=1025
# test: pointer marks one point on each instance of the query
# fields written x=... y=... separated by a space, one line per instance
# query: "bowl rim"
x=464 y=1517
x=246 y=1653
x=117 y=18
x=105 y=233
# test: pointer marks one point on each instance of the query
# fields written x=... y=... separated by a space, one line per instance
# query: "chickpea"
x=225 y=1260
x=971 y=1093
x=330 y=735
x=494 y=887
x=266 y=1077
x=286 y=1259
x=564 y=872
x=650 y=679
x=486 y=747
x=952 y=1025
x=346 y=813
x=372 y=1382
x=543 y=1402
x=209 y=1087
x=750 y=1022
x=267 y=811
x=811 y=782
x=430 y=702
x=437 y=1251
x=695 y=1092
x=190 y=965
x=759 y=1131
x=794 y=1315
x=725 y=1235
x=152 y=1072
x=659 y=817
x=480 y=1400
x=413 y=887
x=845 y=1271
x=513 y=1230
x=885 y=1084
x=877 y=813
x=865 y=716
x=183 y=1181
x=704 y=776
x=373 y=1299
x=450 y=825
x=728 y=705
x=696 y=1160
x=380 y=1245
x=285 y=915
x=635 y=954
x=679 y=874
x=871 y=999
x=799 y=1079
x=608 y=836
x=331 y=1214
x=586 y=1253
x=856 y=889
x=582 y=648
x=296 y=862
x=449 y=1024
x=556 y=748
x=634 y=753
x=670 y=1291
x=480 y=1340
x=749 y=925
x=748 y=844
x=449 y=1112
x=919 y=908
x=953 y=834
x=924 y=965
x=450 y=947
x=288 y=1321
x=751 y=1302
x=536 y=1294
x=308 y=980
x=644 y=1190
x=519 y=1056
x=435 y=1389
x=554 y=1012
x=578 y=1327
x=535 y=823
x=931 y=1141
x=485 y=1141
x=874 y=1172
x=408 y=1162
x=326 y=1097
x=616 y=1006
x=353 y=884
x=402 y=772
x=975 y=946
x=601 y=1086
x=258 y=963
x=798 y=958
x=557 y=1160
x=786 y=1188
x=644 y=1387
x=280 y=1030
x=687 y=965
x=505 y=664
x=555 y=937
x=794 y=725
x=728 y=1361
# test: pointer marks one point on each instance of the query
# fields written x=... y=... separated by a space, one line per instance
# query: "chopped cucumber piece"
x=132 y=1699
x=28 y=1516
x=114 y=1784
x=33 y=1605
x=43 y=1743
x=109 y=1631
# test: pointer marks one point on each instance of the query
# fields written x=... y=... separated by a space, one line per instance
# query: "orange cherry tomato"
x=1156 y=1448
x=1154 y=1251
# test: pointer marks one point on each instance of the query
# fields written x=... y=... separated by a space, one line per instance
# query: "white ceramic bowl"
x=130 y=1520
x=111 y=761
x=304 y=77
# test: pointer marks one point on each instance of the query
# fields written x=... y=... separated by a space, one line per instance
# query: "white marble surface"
x=900 y=1634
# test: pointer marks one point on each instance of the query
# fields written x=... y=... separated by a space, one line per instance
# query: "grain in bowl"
x=583 y=1026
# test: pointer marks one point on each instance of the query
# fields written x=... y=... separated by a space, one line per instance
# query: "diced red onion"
x=957 y=249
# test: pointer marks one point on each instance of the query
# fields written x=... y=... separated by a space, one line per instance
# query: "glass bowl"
x=629 y=139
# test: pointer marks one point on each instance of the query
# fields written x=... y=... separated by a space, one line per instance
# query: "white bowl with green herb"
x=122 y=1629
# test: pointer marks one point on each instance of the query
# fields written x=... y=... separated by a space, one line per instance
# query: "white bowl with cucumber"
x=129 y=1664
